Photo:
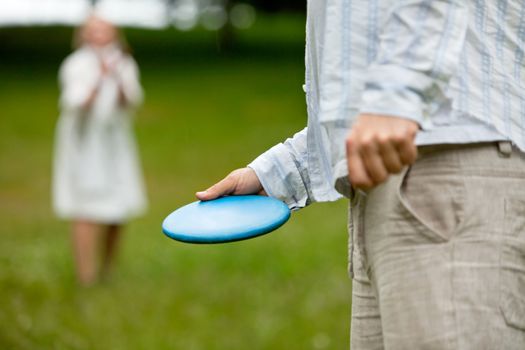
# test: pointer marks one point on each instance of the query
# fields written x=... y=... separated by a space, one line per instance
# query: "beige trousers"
x=437 y=253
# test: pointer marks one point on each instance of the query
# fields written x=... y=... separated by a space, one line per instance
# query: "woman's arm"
x=80 y=81
x=128 y=78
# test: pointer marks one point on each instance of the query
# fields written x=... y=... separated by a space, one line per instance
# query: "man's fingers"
x=372 y=160
x=240 y=181
x=407 y=151
x=391 y=157
x=404 y=142
x=222 y=188
x=357 y=173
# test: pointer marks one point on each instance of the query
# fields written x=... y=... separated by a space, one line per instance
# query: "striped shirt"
x=455 y=67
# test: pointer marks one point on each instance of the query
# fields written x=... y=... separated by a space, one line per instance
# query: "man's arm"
x=418 y=53
x=281 y=172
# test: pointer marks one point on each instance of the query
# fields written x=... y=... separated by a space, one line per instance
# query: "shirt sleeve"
x=129 y=77
x=283 y=172
x=418 y=53
x=77 y=81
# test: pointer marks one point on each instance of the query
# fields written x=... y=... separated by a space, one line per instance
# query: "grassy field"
x=206 y=113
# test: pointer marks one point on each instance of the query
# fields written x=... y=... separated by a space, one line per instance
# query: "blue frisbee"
x=226 y=219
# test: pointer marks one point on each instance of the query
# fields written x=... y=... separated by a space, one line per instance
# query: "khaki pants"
x=437 y=253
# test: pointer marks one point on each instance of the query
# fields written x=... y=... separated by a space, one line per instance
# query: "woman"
x=97 y=181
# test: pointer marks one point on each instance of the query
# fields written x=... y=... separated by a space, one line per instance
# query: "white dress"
x=97 y=175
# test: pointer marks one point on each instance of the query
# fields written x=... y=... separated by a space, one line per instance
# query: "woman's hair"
x=78 y=40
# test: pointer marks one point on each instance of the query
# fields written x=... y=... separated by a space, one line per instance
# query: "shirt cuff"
x=280 y=177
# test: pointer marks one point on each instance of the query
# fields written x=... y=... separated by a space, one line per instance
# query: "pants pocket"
x=434 y=201
x=512 y=260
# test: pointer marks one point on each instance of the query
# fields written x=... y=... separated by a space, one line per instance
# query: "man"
x=416 y=112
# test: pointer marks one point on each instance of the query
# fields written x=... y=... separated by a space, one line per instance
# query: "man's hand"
x=378 y=146
x=240 y=181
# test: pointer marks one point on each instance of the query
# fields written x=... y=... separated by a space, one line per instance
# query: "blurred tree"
x=226 y=31
x=226 y=35
x=278 y=5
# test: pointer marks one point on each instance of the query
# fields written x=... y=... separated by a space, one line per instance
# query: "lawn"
x=206 y=113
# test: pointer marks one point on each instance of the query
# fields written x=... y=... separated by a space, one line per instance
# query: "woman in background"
x=97 y=181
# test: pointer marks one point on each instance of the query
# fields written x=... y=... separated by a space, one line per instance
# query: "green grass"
x=206 y=113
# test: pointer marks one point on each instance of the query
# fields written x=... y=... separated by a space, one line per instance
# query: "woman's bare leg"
x=109 y=250
x=85 y=239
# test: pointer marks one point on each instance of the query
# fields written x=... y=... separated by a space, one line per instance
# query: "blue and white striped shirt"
x=455 y=67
